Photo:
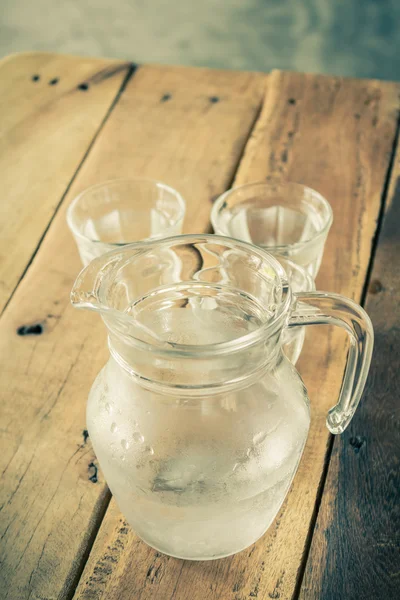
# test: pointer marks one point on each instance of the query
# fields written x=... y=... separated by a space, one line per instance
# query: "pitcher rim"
x=110 y=260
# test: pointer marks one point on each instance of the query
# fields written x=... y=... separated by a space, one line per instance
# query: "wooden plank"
x=47 y=124
x=51 y=498
x=336 y=135
x=355 y=548
x=186 y=127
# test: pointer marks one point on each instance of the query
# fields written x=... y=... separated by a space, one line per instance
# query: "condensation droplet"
x=138 y=438
x=149 y=450
x=108 y=408
x=113 y=427
x=124 y=444
x=259 y=437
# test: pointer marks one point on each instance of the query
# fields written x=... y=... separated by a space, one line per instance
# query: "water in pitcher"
x=199 y=313
x=217 y=481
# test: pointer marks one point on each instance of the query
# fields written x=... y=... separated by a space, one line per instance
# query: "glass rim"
x=279 y=247
x=70 y=218
x=115 y=259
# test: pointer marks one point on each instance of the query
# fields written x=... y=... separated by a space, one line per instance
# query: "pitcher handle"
x=315 y=308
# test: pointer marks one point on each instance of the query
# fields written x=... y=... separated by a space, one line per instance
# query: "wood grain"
x=186 y=127
x=355 y=551
x=335 y=135
x=52 y=496
x=47 y=124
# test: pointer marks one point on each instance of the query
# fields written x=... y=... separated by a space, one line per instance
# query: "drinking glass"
x=286 y=219
x=122 y=211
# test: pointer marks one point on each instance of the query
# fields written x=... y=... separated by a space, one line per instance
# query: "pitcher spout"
x=86 y=290
x=104 y=286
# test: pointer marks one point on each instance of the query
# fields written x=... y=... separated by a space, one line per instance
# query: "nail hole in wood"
x=54 y=81
x=83 y=87
x=36 y=329
x=92 y=472
x=292 y=101
x=51 y=316
x=214 y=99
x=357 y=443
x=375 y=287
x=35 y=77
x=166 y=97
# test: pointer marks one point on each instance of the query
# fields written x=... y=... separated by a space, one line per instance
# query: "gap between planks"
x=242 y=109
x=48 y=117
x=367 y=96
x=131 y=70
x=361 y=559
x=375 y=243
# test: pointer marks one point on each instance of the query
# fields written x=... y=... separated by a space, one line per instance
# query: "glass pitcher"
x=198 y=420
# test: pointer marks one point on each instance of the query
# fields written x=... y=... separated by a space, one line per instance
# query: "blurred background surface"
x=359 y=38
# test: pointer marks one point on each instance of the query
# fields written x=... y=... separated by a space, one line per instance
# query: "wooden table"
x=69 y=122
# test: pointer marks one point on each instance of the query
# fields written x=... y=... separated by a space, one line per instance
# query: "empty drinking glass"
x=287 y=219
x=121 y=211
